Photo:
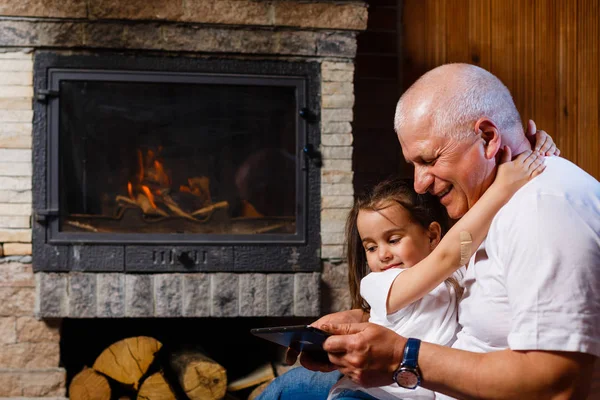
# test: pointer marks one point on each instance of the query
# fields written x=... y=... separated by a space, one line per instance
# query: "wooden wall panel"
x=588 y=91
x=503 y=40
x=457 y=35
x=567 y=115
x=546 y=74
x=545 y=51
x=480 y=37
x=524 y=59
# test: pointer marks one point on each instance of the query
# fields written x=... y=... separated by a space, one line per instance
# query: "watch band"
x=411 y=353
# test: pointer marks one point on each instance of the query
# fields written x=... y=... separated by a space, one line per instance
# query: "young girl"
x=398 y=261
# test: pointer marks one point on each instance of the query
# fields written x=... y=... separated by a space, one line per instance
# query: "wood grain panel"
x=414 y=39
x=523 y=70
x=480 y=33
x=545 y=51
x=503 y=40
x=567 y=128
x=457 y=25
x=436 y=40
x=588 y=66
x=546 y=74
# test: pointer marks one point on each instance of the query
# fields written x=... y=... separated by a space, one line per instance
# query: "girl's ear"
x=435 y=234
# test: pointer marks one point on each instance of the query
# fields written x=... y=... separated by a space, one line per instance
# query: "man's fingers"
x=291 y=355
x=343 y=329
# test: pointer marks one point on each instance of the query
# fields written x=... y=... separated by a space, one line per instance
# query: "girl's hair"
x=423 y=209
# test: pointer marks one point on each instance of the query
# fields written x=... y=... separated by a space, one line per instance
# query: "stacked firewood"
x=139 y=368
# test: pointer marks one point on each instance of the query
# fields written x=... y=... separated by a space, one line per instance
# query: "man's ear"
x=490 y=135
x=434 y=231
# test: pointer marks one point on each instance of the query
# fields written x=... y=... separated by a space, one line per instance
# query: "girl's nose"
x=384 y=253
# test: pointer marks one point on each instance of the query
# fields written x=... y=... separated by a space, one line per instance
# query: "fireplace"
x=176 y=164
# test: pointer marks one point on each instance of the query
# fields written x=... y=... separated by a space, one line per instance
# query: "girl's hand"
x=541 y=142
x=512 y=175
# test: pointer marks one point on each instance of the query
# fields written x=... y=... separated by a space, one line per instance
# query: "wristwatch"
x=408 y=374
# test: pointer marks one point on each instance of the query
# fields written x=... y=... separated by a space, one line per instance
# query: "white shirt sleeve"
x=375 y=289
x=552 y=274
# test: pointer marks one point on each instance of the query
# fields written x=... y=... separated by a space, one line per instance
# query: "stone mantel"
x=315 y=14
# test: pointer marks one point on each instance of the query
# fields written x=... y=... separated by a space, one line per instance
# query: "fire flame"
x=151 y=174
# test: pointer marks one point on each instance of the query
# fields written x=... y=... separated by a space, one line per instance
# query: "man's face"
x=456 y=171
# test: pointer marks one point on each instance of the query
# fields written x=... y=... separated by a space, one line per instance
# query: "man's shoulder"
x=562 y=189
x=562 y=179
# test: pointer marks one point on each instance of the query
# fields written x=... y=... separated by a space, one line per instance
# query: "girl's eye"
x=395 y=240
x=370 y=249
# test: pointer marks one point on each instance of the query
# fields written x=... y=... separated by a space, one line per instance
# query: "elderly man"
x=530 y=314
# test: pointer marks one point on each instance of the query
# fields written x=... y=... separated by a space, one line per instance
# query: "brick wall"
x=29 y=348
x=337 y=191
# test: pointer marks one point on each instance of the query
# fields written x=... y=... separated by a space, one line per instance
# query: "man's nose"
x=423 y=179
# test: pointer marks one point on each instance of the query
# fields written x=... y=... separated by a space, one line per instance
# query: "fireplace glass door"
x=198 y=157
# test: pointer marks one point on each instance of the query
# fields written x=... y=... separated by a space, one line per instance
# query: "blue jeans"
x=353 y=394
x=300 y=384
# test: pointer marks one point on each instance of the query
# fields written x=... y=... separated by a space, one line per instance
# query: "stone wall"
x=29 y=348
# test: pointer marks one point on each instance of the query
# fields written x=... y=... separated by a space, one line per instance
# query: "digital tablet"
x=299 y=337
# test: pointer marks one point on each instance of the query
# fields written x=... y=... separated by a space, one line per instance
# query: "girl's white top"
x=432 y=319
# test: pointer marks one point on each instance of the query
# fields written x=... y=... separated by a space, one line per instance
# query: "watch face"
x=407 y=379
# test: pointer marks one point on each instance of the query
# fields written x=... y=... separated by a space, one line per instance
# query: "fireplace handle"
x=43 y=94
x=42 y=216
x=185 y=259
x=307 y=115
x=310 y=153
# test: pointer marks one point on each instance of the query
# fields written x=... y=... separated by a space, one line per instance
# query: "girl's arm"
x=448 y=256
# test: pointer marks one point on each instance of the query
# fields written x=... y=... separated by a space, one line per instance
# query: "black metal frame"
x=54 y=250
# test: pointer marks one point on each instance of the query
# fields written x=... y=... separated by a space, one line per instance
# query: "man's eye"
x=429 y=162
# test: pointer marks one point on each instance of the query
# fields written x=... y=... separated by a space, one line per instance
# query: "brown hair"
x=423 y=208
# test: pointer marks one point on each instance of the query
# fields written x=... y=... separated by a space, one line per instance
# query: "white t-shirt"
x=534 y=284
x=432 y=318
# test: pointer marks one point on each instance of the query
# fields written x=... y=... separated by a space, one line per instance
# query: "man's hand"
x=314 y=361
x=367 y=353
x=540 y=141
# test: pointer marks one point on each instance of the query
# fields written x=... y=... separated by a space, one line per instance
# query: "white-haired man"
x=530 y=315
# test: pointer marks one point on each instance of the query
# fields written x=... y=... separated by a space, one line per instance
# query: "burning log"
x=211 y=208
x=174 y=207
x=89 y=385
x=122 y=200
x=148 y=206
x=200 y=186
x=81 y=225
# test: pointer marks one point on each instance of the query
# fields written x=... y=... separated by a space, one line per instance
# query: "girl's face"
x=392 y=240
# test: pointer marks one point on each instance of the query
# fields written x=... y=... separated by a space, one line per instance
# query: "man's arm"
x=369 y=354
x=506 y=374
